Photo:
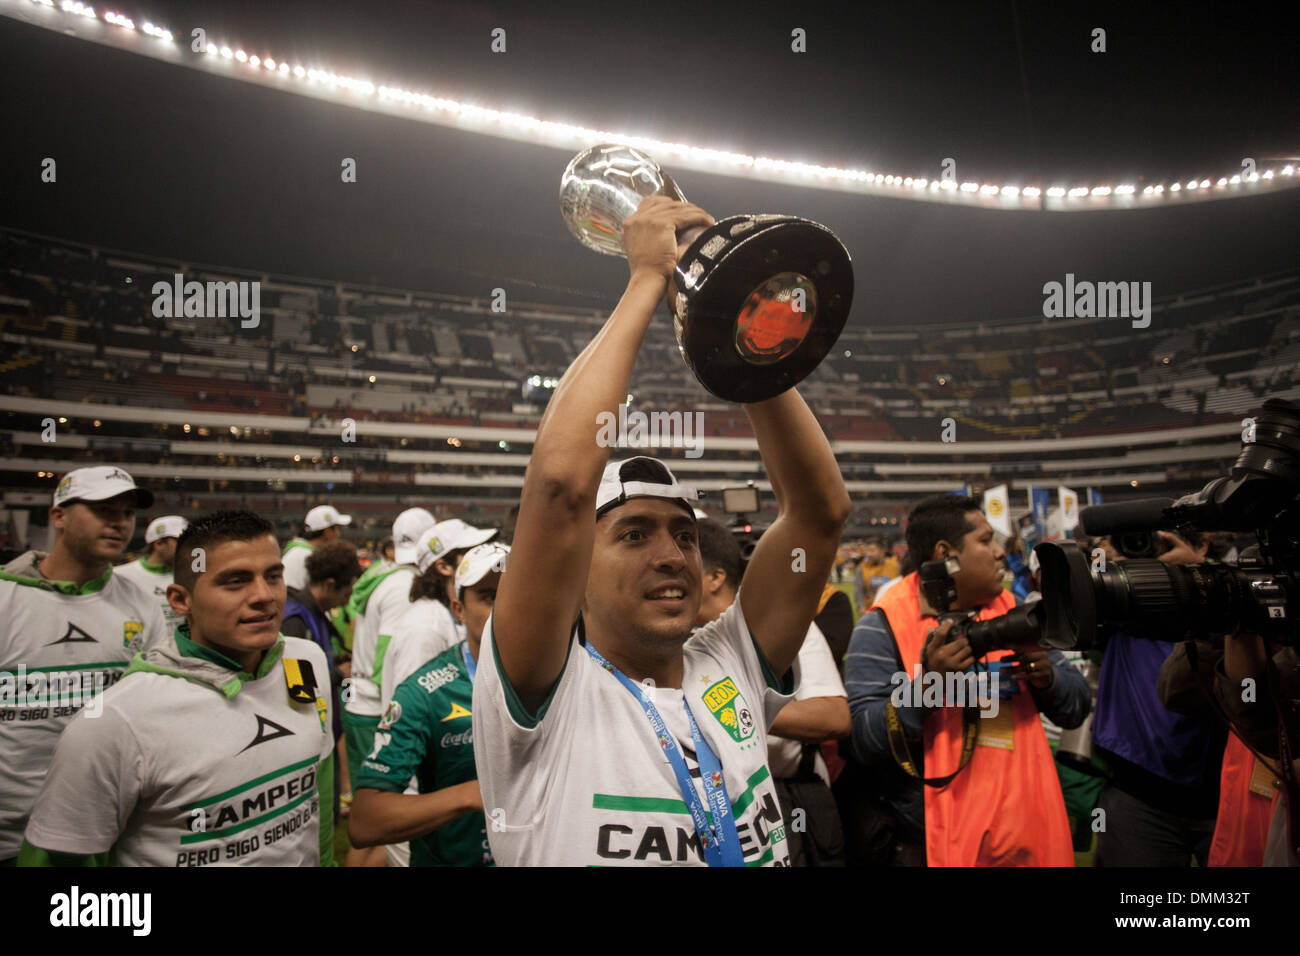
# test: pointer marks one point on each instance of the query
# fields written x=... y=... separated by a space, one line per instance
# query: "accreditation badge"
x=998 y=731
x=1262 y=780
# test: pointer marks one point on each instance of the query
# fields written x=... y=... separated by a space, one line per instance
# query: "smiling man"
x=69 y=626
x=624 y=739
x=209 y=751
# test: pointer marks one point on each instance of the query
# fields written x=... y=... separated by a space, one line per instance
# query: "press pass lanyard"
x=471 y=665
x=721 y=844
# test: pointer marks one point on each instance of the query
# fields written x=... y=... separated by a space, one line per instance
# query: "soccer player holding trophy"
x=605 y=730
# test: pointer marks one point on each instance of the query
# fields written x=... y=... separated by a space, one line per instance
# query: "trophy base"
x=760 y=301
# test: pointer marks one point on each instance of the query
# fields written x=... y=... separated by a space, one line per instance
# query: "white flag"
x=997 y=509
x=1069 y=499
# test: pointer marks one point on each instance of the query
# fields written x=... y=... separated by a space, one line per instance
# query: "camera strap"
x=898 y=745
x=903 y=753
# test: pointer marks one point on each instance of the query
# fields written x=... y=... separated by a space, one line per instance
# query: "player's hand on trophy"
x=650 y=235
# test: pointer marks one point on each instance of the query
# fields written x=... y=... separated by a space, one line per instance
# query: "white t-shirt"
x=153 y=581
x=424 y=631
x=57 y=652
x=819 y=678
x=175 y=773
x=295 y=566
x=374 y=630
x=588 y=783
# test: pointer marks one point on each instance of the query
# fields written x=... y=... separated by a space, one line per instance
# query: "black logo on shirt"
x=74 y=635
x=267 y=730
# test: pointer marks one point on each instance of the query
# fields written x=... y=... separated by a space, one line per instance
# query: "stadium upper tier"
x=438 y=386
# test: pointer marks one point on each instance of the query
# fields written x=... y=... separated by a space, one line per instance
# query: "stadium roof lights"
x=428 y=107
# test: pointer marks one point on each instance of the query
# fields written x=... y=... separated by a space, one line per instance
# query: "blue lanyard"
x=721 y=843
x=471 y=665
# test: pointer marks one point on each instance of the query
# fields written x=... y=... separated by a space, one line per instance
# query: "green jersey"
x=426 y=733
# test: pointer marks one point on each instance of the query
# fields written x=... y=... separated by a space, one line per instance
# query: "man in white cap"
x=68 y=628
x=321 y=525
x=425 y=734
x=380 y=602
x=585 y=733
x=153 y=572
x=429 y=625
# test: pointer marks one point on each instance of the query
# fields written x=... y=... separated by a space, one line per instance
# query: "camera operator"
x=1002 y=801
x=1248 y=787
x=1254 y=700
x=1161 y=798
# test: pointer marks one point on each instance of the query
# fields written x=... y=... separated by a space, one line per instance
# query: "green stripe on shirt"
x=606 y=801
x=221 y=834
x=252 y=783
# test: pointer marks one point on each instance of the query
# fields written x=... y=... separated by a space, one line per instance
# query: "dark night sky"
x=175 y=162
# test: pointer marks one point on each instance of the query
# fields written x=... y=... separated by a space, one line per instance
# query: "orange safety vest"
x=1005 y=808
x=1241 y=829
x=828 y=592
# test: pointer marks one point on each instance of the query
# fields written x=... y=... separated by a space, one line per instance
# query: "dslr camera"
x=1026 y=624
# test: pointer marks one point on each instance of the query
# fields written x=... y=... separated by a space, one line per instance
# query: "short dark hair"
x=210 y=530
x=875 y=539
x=719 y=549
x=939 y=518
x=335 y=561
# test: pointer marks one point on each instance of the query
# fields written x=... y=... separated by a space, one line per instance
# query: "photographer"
x=1162 y=794
x=1001 y=803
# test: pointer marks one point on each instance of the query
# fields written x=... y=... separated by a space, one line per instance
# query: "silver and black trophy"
x=757 y=300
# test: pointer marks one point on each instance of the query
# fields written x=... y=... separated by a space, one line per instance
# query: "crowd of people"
x=608 y=681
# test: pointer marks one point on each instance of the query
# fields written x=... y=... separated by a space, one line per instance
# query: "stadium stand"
x=437 y=387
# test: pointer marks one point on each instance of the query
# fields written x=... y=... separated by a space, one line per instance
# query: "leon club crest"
x=729 y=708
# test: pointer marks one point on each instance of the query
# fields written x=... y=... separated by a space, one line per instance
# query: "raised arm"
x=539 y=600
x=793 y=559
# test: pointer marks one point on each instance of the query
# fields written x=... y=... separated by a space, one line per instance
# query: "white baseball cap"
x=640 y=477
x=168 y=526
x=407 y=528
x=99 y=484
x=480 y=561
x=324 y=516
x=446 y=537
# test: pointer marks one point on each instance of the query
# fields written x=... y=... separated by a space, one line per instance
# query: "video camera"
x=743 y=505
x=1026 y=624
x=1152 y=599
